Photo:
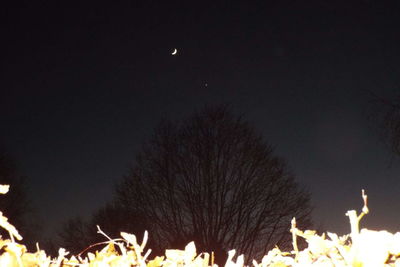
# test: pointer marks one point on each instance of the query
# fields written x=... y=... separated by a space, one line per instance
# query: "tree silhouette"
x=387 y=113
x=74 y=235
x=212 y=179
x=15 y=205
x=77 y=234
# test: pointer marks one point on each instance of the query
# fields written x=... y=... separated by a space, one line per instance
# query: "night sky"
x=83 y=85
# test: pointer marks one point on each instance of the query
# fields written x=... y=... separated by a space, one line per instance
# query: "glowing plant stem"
x=355 y=231
x=353 y=224
x=294 y=236
x=355 y=220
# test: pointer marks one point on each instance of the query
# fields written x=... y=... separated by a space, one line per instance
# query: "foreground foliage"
x=363 y=248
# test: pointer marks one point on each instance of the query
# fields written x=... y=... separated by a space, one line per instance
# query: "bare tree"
x=77 y=234
x=212 y=179
x=387 y=114
x=74 y=235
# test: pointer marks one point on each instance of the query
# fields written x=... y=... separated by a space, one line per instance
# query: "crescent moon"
x=174 y=52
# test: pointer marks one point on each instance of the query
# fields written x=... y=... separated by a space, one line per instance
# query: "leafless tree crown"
x=387 y=113
x=213 y=180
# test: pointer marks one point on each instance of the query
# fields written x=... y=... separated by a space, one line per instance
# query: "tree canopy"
x=387 y=113
x=213 y=179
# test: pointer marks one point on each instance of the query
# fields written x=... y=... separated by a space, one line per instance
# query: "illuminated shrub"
x=363 y=248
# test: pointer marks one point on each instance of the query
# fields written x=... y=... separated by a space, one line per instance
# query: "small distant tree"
x=73 y=235
x=213 y=179
x=77 y=234
x=387 y=113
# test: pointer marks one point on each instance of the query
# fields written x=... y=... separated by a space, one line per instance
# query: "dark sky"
x=82 y=85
